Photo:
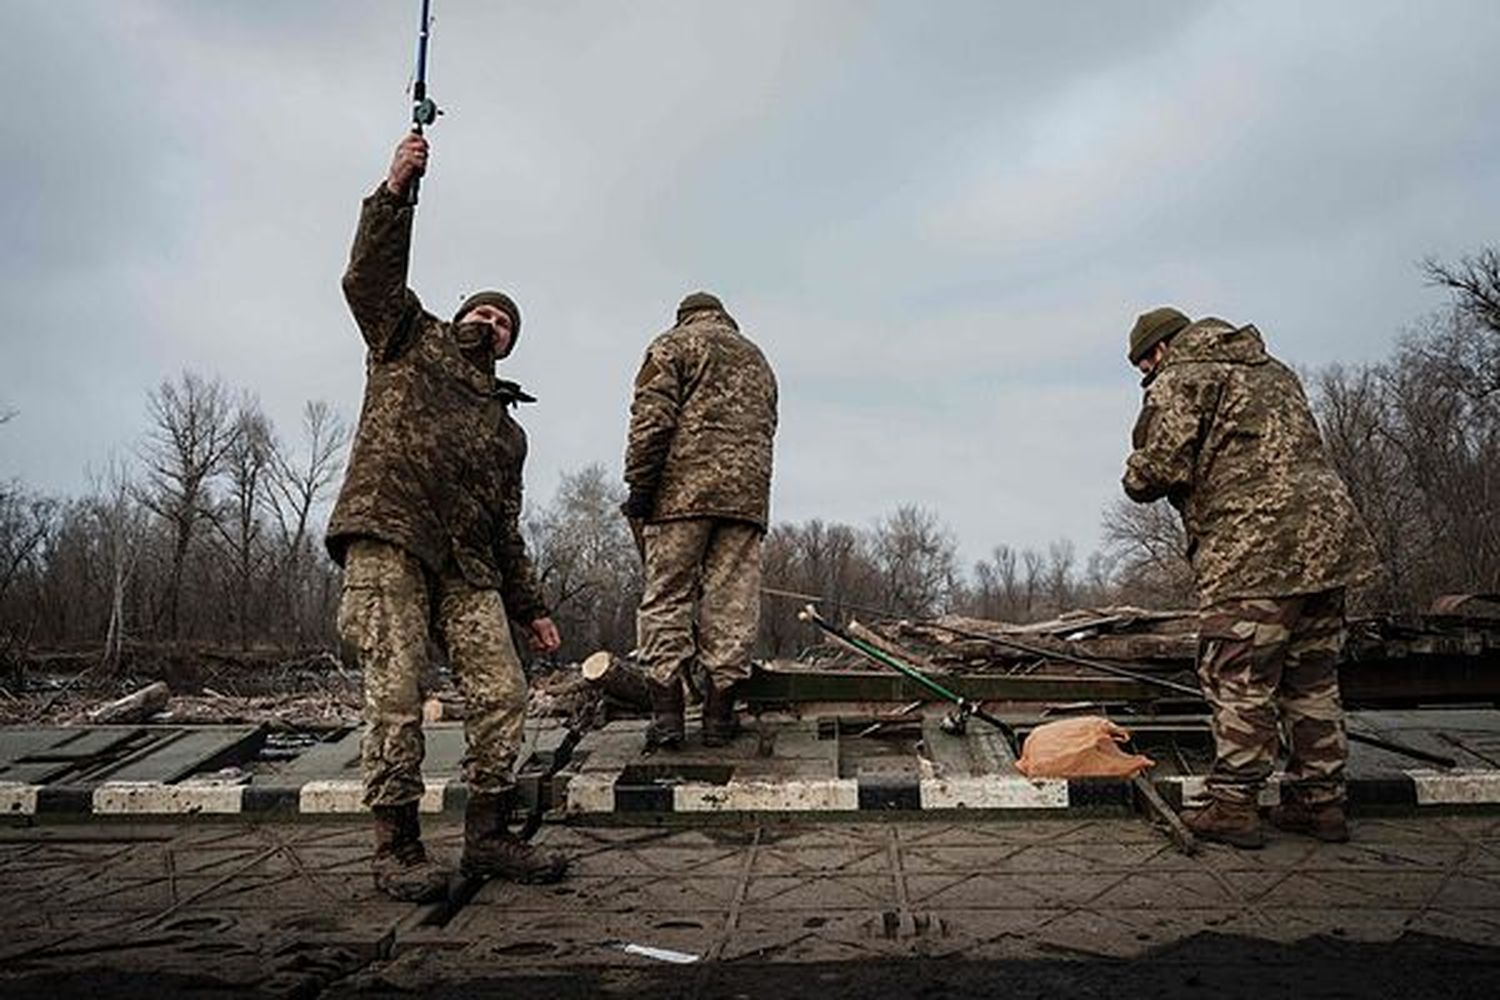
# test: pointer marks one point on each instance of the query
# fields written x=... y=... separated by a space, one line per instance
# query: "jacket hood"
x=1215 y=340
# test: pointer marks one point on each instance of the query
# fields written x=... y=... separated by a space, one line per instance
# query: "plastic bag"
x=1084 y=747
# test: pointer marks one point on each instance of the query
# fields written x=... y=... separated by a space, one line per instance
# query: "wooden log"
x=619 y=678
x=135 y=707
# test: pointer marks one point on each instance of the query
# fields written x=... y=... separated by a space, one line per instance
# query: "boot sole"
x=427 y=896
x=1243 y=843
x=1327 y=838
x=540 y=878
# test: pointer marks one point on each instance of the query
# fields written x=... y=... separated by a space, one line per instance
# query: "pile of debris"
x=1150 y=640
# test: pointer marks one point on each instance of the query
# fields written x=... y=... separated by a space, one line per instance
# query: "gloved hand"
x=638 y=505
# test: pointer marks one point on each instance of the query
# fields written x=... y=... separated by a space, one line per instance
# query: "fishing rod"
x=1354 y=736
x=965 y=706
x=424 y=110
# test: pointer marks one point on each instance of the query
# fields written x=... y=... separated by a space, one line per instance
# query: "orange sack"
x=1083 y=747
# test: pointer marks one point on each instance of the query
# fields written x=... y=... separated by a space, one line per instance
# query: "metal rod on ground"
x=965 y=706
x=1177 y=831
x=1403 y=749
x=1109 y=668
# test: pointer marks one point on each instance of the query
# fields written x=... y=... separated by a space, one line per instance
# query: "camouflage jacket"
x=436 y=462
x=1226 y=435
x=702 y=423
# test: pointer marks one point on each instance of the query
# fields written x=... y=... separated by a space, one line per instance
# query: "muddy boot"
x=1326 y=822
x=491 y=850
x=1228 y=823
x=402 y=869
x=720 y=723
x=666 y=728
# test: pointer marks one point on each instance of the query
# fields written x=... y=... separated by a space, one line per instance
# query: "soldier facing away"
x=1225 y=434
x=698 y=465
x=426 y=529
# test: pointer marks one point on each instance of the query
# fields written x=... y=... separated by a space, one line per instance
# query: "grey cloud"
x=938 y=219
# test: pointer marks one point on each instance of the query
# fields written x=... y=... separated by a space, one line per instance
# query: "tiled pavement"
x=289 y=908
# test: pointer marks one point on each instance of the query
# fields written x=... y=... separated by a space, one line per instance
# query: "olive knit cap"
x=1151 y=328
x=697 y=302
x=500 y=301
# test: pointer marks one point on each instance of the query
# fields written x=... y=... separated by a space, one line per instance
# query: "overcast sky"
x=938 y=219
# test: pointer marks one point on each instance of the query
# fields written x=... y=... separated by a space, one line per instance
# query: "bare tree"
x=1150 y=546
x=299 y=484
x=996 y=593
x=298 y=487
x=1034 y=568
x=827 y=562
x=587 y=563
x=190 y=433
x=1061 y=590
x=1475 y=284
x=237 y=518
x=917 y=561
x=121 y=526
x=27 y=523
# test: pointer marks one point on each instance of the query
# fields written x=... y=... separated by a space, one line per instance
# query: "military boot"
x=720 y=723
x=1232 y=823
x=401 y=866
x=666 y=728
x=491 y=850
x=1326 y=822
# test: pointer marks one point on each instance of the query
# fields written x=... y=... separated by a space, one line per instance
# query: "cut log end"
x=618 y=678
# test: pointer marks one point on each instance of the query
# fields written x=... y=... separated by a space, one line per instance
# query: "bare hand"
x=544 y=636
x=410 y=161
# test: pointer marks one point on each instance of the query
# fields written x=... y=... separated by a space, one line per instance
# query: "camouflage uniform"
x=698 y=465
x=389 y=601
x=434 y=475
x=1226 y=435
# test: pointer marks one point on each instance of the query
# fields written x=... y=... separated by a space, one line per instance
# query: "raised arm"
x=386 y=310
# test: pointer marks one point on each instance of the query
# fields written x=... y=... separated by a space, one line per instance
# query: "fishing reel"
x=425 y=111
x=956 y=722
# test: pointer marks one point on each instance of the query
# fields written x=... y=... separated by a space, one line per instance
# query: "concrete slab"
x=290 y=907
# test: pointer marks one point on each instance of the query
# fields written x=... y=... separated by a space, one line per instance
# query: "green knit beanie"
x=500 y=301
x=1151 y=328
x=697 y=302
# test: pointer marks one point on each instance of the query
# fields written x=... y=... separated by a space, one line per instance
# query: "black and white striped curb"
x=597 y=793
x=616 y=792
x=208 y=798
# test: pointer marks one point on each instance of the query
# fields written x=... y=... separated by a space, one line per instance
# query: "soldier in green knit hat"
x=1226 y=436
x=427 y=530
x=698 y=465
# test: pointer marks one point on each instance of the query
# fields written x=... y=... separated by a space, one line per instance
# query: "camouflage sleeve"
x=1166 y=439
x=519 y=589
x=375 y=281
x=653 y=420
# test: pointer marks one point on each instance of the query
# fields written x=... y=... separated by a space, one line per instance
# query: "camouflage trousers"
x=1270 y=667
x=707 y=566
x=386 y=614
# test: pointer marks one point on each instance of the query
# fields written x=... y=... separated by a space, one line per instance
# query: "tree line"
x=211 y=530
